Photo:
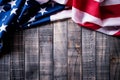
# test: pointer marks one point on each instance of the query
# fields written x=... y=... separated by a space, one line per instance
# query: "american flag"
x=99 y=15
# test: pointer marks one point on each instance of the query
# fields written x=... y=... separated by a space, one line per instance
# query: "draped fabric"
x=99 y=15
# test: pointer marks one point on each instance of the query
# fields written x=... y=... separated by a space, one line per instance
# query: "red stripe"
x=90 y=26
x=110 y=11
x=96 y=27
x=89 y=6
x=117 y=34
x=93 y=8
x=69 y=3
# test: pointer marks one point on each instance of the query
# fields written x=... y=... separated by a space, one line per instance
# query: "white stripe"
x=110 y=2
x=61 y=1
x=111 y=22
x=82 y=17
x=42 y=1
x=99 y=0
x=61 y=15
x=109 y=32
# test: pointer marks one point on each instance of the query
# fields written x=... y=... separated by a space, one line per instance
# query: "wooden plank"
x=5 y=59
x=46 y=52
x=114 y=58
x=60 y=51
x=5 y=67
x=102 y=57
x=31 y=54
x=74 y=51
x=17 y=57
x=88 y=54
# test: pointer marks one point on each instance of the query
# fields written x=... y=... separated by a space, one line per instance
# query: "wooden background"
x=61 y=51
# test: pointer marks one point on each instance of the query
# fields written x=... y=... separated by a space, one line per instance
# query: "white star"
x=1 y=9
x=32 y=19
x=42 y=10
x=13 y=11
x=3 y=27
x=28 y=25
x=12 y=3
x=26 y=2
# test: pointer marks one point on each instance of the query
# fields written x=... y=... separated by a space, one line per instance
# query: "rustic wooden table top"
x=61 y=51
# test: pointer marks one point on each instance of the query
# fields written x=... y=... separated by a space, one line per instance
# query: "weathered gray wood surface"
x=61 y=51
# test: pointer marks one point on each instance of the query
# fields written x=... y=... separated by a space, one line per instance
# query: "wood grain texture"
x=46 y=52
x=114 y=58
x=17 y=58
x=88 y=55
x=61 y=51
x=102 y=57
x=5 y=67
x=31 y=43
x=74 y=52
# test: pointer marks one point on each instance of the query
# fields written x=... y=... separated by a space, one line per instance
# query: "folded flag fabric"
x=99 y=15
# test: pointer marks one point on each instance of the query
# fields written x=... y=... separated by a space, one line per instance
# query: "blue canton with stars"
x=23 y=14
